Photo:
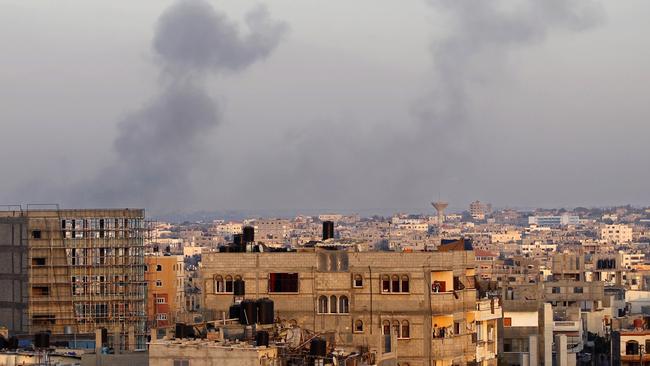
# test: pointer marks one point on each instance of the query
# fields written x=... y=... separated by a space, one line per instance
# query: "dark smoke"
x=157 y=147
x=335 y=164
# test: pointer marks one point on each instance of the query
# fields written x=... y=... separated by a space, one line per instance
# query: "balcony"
x=488 y=310
x=455 y=346
x=566 y=326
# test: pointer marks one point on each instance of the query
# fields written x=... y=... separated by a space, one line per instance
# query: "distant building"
x=478 y=210
x=616 y=234
x=165 y=276
x=554 y=221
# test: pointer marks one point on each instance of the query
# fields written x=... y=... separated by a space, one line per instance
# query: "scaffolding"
x=86 y=271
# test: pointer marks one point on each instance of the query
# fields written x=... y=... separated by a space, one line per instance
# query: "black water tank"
x=234 y=311
x=248 y=314
x=262 y=338
x=180 y=331
x=239 y=287
x=328 y=230
x=42 y=340
x=265 y=311
x=318 y=347
x=249 y=234
x=12 y=343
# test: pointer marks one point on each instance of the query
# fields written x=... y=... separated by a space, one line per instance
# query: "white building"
x=616 y=234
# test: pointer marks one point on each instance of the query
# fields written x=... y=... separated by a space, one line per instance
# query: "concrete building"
x=616 y=234
x=554 y=221
x=72 y=271
x=427 y=299
x=478 y=210
x=209 y=353
x=165 y=276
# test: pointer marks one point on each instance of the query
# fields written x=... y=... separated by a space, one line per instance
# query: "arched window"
x=238 y=277
x=344 y=305
x=406 y=329
x=395 y=283
x=229 y=283
x=385 y=283
x=333 y=304
x=218 y=284
x=632 y=348
x=322 y=305
x=405 y=283
x=396 y=328
x=358 y=326
x=386 y=327
x=158 y=267
x=358 y=280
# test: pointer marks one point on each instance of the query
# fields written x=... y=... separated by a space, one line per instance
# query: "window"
x=385 y=283
x=394 y=283
x=283 y=282
x=158 y=283
x=405 y=283
x=158 y=268
x=358 y=280
x=396 y=328
x=36 y=234
x=38 y=261
x=456 y=328
x=358 y=326
x=160 y=300
x=386 y=327
x=229 y=284
x=406 y=330
x=344 y=305
x=333 y=304
x=161 y=316
x=41 y=291
x=632 y=348
x=219 y=284
x=323 y=304
x=507 y=322
x=181 y=362
x=577 y=290
x=556 y=290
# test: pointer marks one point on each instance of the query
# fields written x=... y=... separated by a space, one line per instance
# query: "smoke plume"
x=158 y=145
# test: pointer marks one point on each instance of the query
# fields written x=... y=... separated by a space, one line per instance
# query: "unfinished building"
x=73 y=271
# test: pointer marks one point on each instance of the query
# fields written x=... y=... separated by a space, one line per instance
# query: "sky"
x=187 y=105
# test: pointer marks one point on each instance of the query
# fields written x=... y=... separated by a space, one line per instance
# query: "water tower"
x=440 y=208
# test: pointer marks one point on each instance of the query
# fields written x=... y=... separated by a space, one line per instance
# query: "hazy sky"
x=324 y=104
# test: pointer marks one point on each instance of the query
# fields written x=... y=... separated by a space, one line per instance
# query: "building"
x=73 y=271
x=554 y=221
x=478 y=210
x=209 y=353
x=165 y=276
x=616 y=234
x=428 y=299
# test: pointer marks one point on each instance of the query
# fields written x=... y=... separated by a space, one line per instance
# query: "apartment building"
x=73 y=271
x=427 y=299
x=616 y=234
x=165 y=276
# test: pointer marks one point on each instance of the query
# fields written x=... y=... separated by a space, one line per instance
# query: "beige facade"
x=359 y=295
x=208 y=353
x=77 y=270
x=616 y=234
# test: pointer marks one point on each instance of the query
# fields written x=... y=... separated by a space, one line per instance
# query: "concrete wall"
x=13 y=274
